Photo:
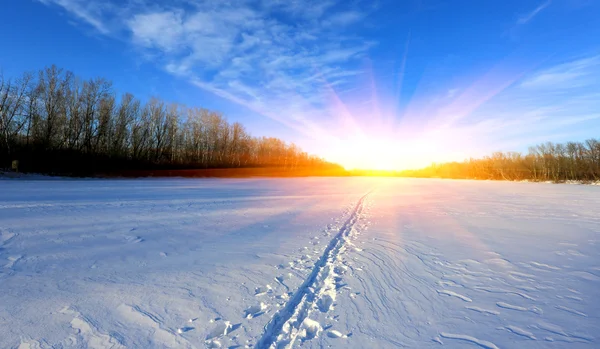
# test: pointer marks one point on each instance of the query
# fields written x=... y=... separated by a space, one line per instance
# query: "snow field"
x=279 y=263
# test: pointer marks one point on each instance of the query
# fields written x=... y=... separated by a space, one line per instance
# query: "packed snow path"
x=318 y=291
x=308 y=263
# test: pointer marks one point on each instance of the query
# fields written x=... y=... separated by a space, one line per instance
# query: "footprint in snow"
x=133 y=239
x=335 y=334
x=213 y=344
x=222 y=329
x=281 y=280
x=325 y=302
x=259 y=291
x=310 y=329
x=255 y=310
x=184 y=329
x=12 y=260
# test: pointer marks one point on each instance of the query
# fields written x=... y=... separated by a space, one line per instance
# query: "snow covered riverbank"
x=317 y=262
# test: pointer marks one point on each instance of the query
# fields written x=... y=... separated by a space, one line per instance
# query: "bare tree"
x=13 y=102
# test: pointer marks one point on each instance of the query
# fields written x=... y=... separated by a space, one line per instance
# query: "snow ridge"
x=283 y=328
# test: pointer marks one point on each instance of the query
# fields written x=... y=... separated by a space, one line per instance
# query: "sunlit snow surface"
x=322 y=262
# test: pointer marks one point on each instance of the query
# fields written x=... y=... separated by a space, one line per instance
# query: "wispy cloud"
x=526 y=18
x=573 y=74
x=263 y=54
x=343 y=19
x=88 y=12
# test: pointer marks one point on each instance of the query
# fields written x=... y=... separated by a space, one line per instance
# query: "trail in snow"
x=316 y=292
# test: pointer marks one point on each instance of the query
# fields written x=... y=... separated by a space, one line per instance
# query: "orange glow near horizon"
x=363 y=153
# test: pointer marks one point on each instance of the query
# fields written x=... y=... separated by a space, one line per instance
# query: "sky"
x=384 y=84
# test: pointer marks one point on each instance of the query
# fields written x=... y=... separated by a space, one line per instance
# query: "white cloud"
x=157 y=30
x=524 y=19
x=343 y=19
x=263 y=54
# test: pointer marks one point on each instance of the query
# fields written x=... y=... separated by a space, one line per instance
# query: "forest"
x=571 y=161
x=57 y=123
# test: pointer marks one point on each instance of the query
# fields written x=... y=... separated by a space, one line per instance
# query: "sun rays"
x=370 y=131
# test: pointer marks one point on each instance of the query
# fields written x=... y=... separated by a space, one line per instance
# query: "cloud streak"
x=526 y=18
x=87 y=12
x=569 y=75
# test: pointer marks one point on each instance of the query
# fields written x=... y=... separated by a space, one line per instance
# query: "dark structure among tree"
x=54 y=122
x=545 y=162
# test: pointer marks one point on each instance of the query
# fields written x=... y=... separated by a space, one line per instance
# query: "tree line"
x=55 y=122
x=549 y=161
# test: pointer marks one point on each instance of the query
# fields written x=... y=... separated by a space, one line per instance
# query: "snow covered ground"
x=313 y=262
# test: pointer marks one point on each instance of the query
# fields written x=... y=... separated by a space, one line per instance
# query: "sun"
x=376 y=155
x=379 y=154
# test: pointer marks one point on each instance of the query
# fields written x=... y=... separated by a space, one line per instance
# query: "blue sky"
x=411 y=81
